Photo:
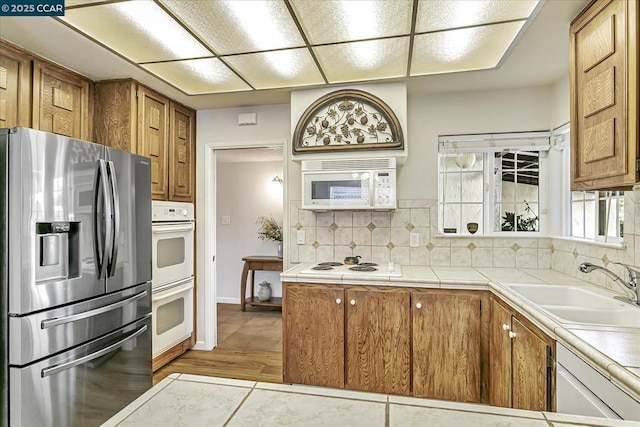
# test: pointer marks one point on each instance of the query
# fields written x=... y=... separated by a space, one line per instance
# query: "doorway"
x=249 y=185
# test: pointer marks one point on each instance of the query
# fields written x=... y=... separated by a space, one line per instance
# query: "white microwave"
x=349 y=184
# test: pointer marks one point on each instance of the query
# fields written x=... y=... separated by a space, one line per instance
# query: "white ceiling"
x=539 y=57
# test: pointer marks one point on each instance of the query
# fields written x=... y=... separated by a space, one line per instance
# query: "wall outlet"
x=226 y=220
x=414 y=240
x=300 y=237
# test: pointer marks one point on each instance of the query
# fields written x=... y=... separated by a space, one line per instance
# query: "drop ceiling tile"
x=282 y=68
x=435 y=15
x=473 y=48
x=368 y=60
x=233 y=26
x=334 y=21
x=198 y=76
x=139 y=30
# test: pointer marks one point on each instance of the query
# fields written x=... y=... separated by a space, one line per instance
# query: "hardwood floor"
x=249 y=347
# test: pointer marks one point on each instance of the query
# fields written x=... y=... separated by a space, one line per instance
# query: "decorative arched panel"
x=347 y=120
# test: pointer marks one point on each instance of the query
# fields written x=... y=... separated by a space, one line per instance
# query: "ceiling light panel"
x=368 y=60
x=466 y=49
x=139 y=30
x=282 y=68
x=233 y=26
x=334 y=21
x=198 y=76
x=435 y=15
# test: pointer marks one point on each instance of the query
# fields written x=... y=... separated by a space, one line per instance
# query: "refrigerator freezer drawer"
x=84 y=386
x=39 y=335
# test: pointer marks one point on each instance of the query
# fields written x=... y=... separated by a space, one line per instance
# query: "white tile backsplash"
x=384 y=236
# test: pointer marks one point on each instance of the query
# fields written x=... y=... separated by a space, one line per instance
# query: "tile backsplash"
x=384 y=236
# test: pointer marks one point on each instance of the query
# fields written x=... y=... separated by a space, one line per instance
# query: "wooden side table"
x=262 y=263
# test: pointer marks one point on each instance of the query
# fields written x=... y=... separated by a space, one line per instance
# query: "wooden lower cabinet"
x=378 y=353
x=313 y=339
x=522 y=363
x=447 y=345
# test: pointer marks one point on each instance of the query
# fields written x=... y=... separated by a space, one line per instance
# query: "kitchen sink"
x=573 y=304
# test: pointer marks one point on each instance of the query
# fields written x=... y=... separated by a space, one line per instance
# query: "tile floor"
x=191 y=400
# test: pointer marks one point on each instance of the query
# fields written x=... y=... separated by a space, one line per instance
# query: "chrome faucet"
x=632 y=285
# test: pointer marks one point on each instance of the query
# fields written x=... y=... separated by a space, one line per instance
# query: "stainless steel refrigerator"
x=75 y=271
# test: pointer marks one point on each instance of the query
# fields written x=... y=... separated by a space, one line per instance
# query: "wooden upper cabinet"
x=447 y=345
x=378 y=353
x=62 y=101
x=15 y=87
x=313 y=341
x=116 y=118
x=181 y=158
x=153 y=141
x=604 y=96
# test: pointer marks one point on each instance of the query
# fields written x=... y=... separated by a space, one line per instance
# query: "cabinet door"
x=62 y=102
x=446 y=346
x=116 y=117
x=153 y=117
x=377 y=341
x=530 y=377
x=499 y=356
x=313 y=340
x=15 y=87
x=181 y=154
x=604 y=83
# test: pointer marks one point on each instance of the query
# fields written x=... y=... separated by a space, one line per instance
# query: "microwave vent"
x=348 y=164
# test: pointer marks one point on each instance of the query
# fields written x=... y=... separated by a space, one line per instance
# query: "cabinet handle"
x=352 y=302
x=419 y=305
x=512 y=334
x=338 y=300
x=505 y=327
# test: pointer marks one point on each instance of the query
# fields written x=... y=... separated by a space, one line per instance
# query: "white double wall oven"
x=173 y=228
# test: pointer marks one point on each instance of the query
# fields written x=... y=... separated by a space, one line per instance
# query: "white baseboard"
x=224 y=300
x=201 y=345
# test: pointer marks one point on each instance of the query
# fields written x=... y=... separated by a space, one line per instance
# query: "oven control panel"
x=172 y=211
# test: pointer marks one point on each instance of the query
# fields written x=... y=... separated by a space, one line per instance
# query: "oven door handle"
x=50 y=323
x=160 y=229
x=159 y=294
x=59 y=368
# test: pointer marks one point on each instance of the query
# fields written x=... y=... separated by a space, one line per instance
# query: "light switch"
x=414 y=240
x=226 y=220
x=300 y=237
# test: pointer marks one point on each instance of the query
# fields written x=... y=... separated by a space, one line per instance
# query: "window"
x=494 y=189
x=597 y=215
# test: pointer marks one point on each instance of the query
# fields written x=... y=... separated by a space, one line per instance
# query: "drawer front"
x=272 y=267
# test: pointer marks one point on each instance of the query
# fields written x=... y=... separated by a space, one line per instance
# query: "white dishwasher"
x=577 y=384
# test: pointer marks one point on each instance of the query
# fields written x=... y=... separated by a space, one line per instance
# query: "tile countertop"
x=612 y=351
x=191 y=400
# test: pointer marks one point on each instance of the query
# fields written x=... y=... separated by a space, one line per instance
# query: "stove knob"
x=185 y=212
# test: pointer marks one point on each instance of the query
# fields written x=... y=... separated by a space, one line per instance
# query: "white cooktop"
x=386 y=270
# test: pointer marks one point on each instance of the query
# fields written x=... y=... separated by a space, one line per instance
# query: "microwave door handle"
x=115 y=198
x=100 y=193
x=51 y=370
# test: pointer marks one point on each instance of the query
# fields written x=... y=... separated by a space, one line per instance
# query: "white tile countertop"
x=191 y=400
x=612 y=351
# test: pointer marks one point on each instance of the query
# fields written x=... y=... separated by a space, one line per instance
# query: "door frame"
x=206 y=214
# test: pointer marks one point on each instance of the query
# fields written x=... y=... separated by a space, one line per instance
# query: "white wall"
x=245 y=191
x=560 y=103
x=511 y=110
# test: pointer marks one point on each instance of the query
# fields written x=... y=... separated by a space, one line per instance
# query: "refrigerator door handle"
x=115 y=198
x=63 y=367
x=50 y=323
x=99 y=244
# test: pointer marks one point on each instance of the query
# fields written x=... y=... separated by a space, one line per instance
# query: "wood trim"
x=172 y=353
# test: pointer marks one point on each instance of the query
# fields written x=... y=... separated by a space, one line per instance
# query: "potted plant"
x=270 y=230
